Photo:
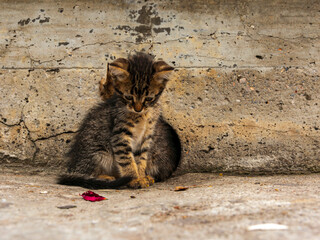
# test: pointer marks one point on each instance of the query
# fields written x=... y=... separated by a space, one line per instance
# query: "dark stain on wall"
x=46 y=19
x=148 y=17
x=144 y=15
x=24 y=22
x=159 y=30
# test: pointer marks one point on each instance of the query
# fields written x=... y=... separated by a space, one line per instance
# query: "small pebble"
x=242 y=80
x=267 y=226
x=94 y=221
x=67 y=207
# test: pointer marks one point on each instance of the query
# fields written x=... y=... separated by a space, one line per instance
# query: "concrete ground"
x=213 y=207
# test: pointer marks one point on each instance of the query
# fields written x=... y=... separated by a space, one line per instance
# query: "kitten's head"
x=138 y=80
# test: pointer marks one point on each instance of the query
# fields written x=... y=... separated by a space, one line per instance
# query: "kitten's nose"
x=137 y=107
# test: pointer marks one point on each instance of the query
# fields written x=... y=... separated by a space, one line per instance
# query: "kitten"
x=125 y=140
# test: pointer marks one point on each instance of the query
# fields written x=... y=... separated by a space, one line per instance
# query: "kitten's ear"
x=161 y=66
x=116 y=71
x=106 y=86
x=119 y=69
x=162 y=71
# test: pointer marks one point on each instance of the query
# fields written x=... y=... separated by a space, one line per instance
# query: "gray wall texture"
x=244 y=98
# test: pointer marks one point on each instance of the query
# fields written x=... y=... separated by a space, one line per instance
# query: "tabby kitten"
x=125 y=140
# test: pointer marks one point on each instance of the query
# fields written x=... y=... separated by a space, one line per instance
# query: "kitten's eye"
x=148 y=99
x=128 y=97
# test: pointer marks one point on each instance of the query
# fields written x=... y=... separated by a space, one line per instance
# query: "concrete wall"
x=245 y=96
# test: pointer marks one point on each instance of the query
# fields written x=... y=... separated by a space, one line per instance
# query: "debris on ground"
x=180 y=188
x=67 y=206
x=92 y=196
x=267 y=226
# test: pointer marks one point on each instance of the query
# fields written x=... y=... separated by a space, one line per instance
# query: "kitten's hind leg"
x=105 y=168
x=165 y=153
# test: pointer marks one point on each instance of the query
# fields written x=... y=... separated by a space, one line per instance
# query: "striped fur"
x=125 y=137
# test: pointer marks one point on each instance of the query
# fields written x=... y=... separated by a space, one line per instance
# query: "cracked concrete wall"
x=245 y=96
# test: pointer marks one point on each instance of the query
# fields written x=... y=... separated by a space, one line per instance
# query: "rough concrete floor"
x=214 y=207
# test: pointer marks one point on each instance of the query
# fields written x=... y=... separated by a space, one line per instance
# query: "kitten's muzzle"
x=137 y=107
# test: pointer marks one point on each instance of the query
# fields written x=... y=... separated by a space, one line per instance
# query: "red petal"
x=92 y=197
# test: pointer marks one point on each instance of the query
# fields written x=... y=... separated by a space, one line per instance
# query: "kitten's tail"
x=92 y=183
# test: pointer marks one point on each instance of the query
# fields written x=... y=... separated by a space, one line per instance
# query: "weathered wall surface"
x=245 y=97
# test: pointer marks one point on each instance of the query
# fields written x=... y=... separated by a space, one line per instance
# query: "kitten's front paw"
x=149 y=179
x=139 y=183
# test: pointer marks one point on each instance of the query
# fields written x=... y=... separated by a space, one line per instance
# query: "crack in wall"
x=23 y=124
x=11 y=125
x=54 y=135
x=299 y=38
x=35 y=63
x=69 y=54
x=37 y=151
